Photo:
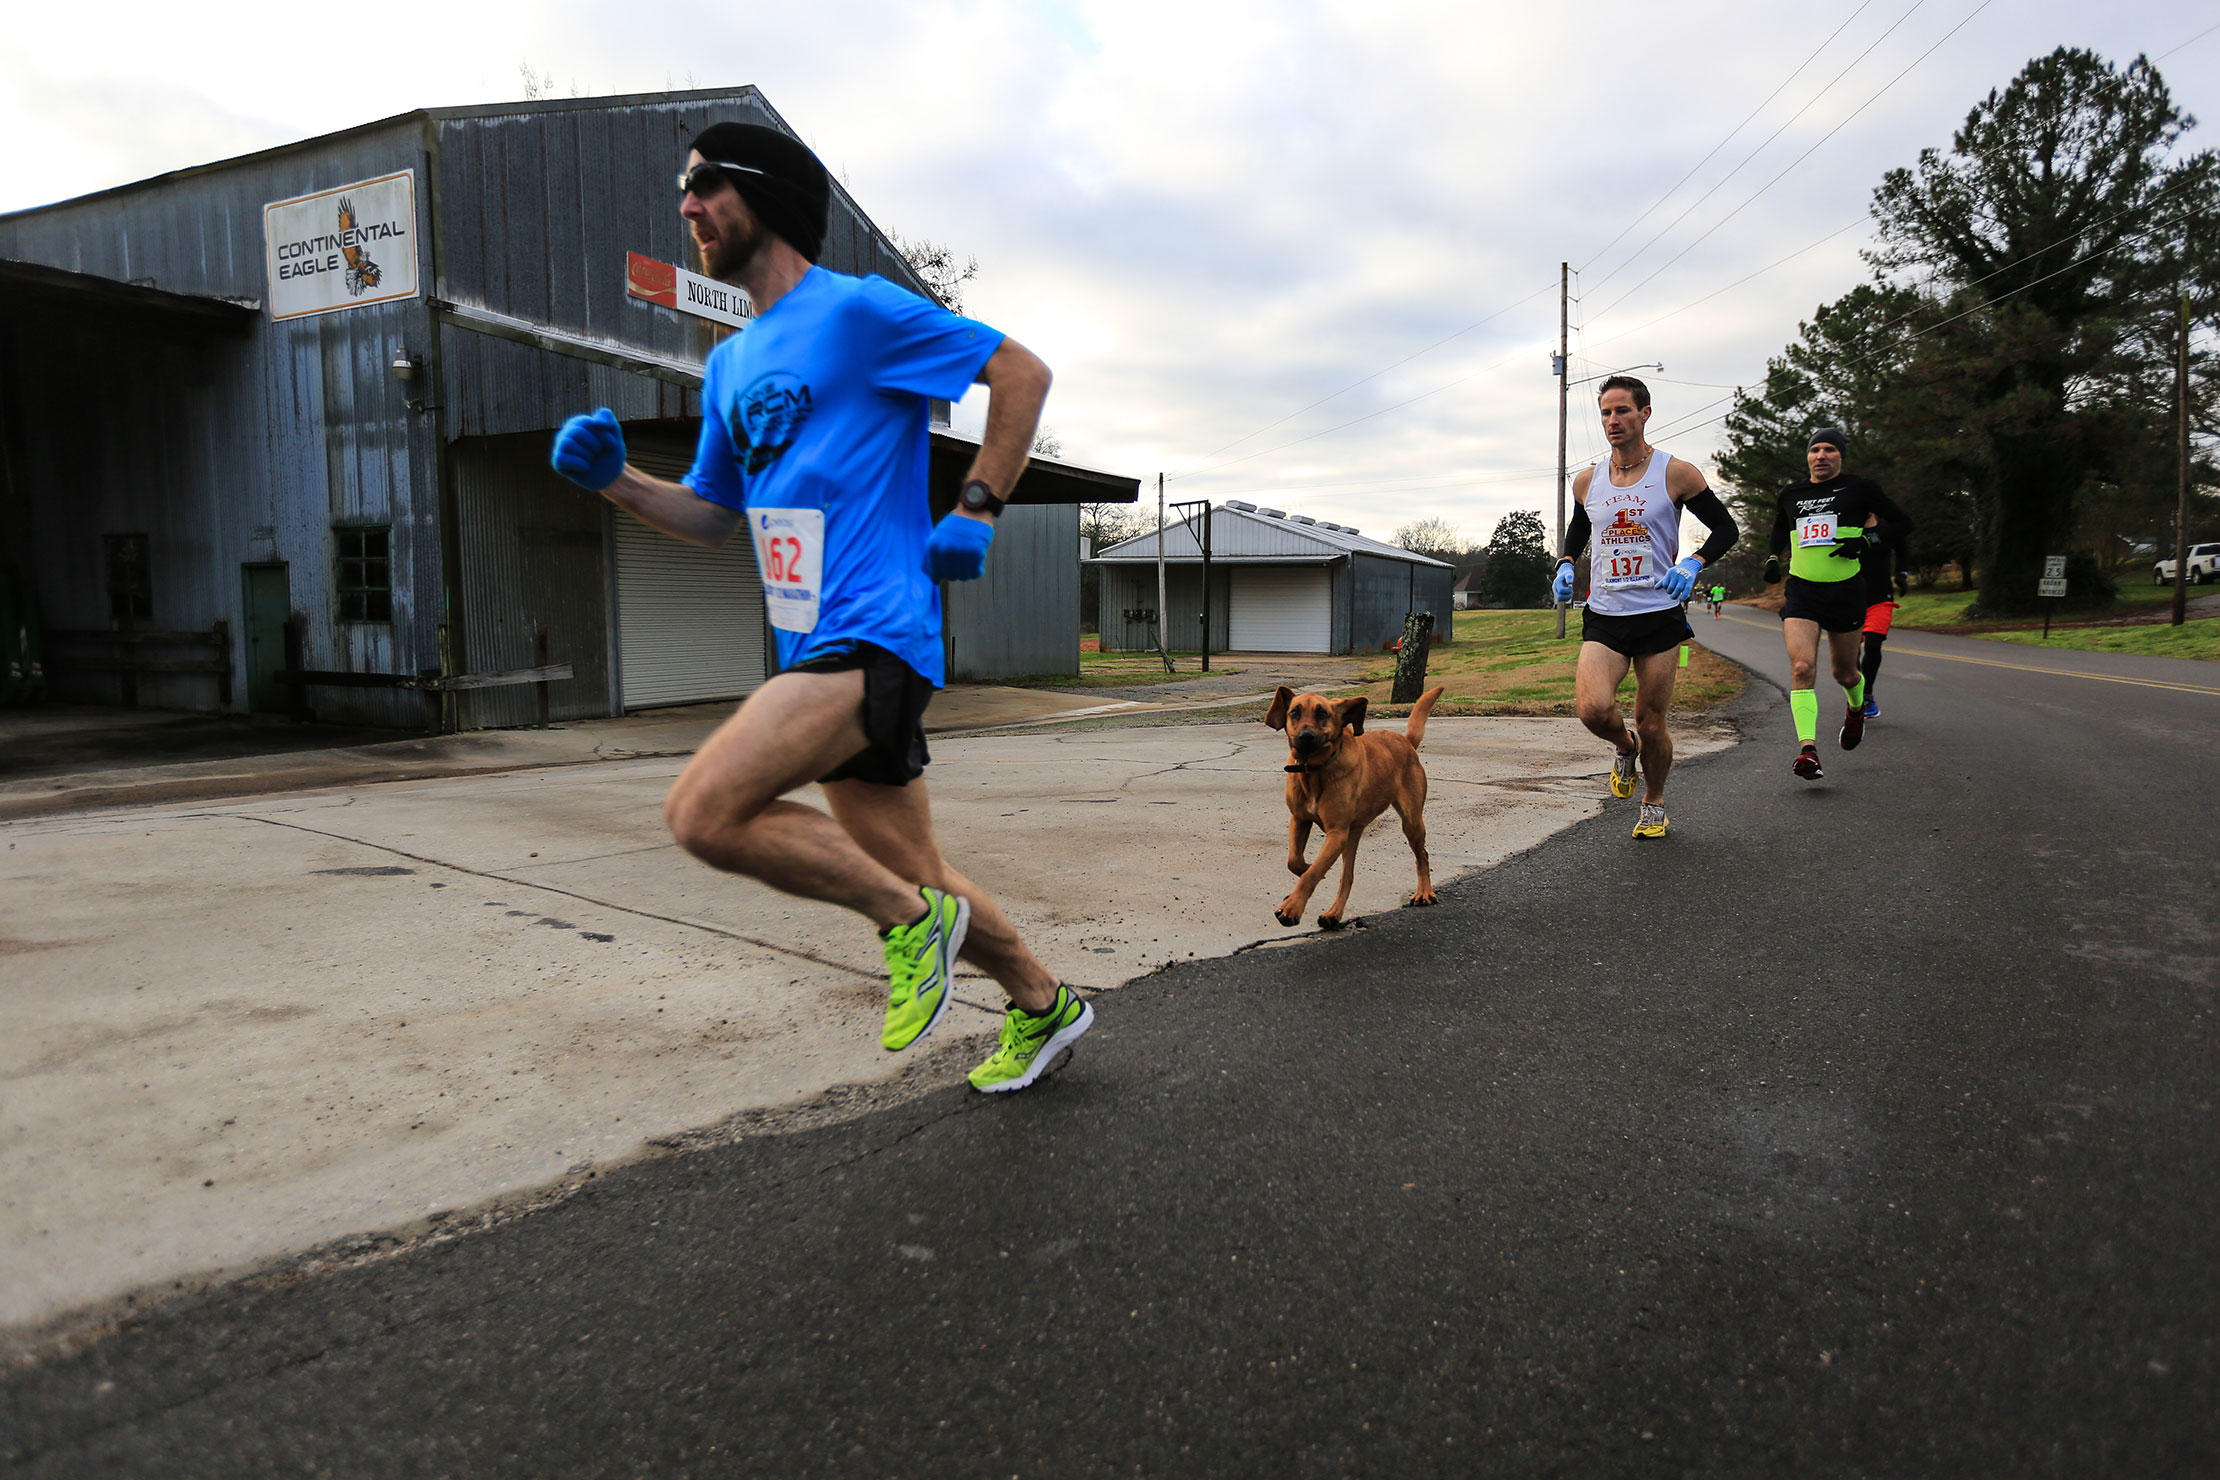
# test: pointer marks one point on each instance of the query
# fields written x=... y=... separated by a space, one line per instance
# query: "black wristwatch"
x=977 y=498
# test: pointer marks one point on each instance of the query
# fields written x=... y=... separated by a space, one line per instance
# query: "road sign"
x=2054 y=566
x=672 y=286
x=2051 y=586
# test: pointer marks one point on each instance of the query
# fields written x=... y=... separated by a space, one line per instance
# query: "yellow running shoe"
x=1654 y=821
x=1622 y=774
x=921 y=968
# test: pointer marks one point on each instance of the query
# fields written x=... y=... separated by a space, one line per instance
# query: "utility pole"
x=2181 y=485
x=1189 y=513
x=1163 y=606
x=1564 y=346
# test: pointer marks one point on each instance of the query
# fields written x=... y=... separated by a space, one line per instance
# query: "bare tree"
x=1047 y=443
x=1435 y=537
x=936 y=263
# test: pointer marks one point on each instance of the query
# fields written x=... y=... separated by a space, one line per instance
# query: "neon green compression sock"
x=1804 y=704
x=1855 y=693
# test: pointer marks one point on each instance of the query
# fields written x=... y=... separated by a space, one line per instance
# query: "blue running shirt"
x=814 y=426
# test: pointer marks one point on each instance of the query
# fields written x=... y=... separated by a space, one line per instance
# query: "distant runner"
x=1637 y=586
x=1828 y=520
x=814 y=434
x=1716 y=595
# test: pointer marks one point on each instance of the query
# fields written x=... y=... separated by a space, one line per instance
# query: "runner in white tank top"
x=1638 y=583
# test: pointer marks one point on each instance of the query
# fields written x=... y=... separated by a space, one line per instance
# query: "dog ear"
x=1276 y=716
x=1351 y=714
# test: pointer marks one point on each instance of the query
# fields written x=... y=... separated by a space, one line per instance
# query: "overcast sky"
x=1295 y=252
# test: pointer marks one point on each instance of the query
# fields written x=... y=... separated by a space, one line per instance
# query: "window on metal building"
x=130 y=582
x=365 y=573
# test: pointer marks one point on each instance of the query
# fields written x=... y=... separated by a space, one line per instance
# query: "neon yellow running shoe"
x=1030 y=1044
x=1622 y=774
x=1653 y=821
x=921 y=962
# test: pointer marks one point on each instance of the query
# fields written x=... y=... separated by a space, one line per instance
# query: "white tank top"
x=1634 y=538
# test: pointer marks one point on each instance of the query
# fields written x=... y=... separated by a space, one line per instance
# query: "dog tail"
x=1414 y=729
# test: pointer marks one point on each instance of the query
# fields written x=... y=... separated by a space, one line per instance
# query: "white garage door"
x=1281 y=609
x=689 y=620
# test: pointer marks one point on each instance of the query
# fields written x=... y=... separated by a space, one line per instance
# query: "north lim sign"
x=347 y=247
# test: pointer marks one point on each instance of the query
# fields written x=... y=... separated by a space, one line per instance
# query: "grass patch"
x=2199 y=639
x=1512 y=662
x=1943 y=611
x=1100 y=670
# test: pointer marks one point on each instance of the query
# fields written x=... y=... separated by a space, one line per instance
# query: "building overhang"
x=28 y=288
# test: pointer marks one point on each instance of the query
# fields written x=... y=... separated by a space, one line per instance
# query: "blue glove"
x=1681 y=579
x=589 y=450
x=958 y=549
x=1561 y=584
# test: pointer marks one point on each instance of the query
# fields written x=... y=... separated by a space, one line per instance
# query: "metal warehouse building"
x=1278 y=583
x=290 y=413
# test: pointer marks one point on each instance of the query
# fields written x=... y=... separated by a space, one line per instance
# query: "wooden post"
x=539 y=690
x=222 y=638
x=1410 y=658
x=443 y=703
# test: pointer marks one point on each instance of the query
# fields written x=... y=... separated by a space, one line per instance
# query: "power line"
x=1738 y=282
x=1799 y=159
x=1754 y=153
x=2192 y=41
x=1597 y=255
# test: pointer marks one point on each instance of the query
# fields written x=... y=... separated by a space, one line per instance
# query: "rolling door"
x=1281 y=609
x=690 y=622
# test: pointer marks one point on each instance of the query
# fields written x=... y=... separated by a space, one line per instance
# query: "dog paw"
x=1285 y=918
x=1296 y=866
x=1330 y=922
x=1423 y=898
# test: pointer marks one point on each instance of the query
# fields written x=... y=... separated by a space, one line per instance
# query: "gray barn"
x=1279 y=583
x=331 y=438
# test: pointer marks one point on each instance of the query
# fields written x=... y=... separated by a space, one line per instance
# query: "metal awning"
x=35 y=286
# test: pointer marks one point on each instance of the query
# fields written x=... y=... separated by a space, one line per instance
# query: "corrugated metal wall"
x=1384 y=590
x=1024 y=617
x=532 y=544
x=1133 y=587
x=539 y=204
x=274 y=438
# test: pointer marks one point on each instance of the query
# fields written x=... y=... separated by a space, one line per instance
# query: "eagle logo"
x=362 y=273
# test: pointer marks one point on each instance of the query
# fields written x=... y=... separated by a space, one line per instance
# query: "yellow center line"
x=1899 y=650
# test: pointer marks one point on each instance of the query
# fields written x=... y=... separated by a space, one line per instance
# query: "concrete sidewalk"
x=234 y=1032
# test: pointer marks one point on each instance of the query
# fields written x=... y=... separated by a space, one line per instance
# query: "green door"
x=269 y=603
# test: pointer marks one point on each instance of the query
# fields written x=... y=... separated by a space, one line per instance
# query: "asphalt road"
x=1858 y=1128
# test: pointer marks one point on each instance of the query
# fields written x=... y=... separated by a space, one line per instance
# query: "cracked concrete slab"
x=236 y=1031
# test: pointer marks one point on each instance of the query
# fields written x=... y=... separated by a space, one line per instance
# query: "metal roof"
x=1242 y=533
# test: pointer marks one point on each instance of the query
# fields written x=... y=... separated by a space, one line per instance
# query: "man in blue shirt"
x=814 y=433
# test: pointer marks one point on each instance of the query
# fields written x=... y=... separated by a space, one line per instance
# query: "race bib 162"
x=790 y=553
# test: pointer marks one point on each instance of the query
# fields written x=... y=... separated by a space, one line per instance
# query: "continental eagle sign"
x=347 y=247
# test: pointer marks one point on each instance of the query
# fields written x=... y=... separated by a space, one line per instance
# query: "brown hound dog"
x=1340 y=779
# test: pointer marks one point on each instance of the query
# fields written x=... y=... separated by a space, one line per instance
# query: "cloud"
x=1208 y=214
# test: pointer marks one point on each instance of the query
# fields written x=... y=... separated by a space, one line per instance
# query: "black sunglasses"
x=709 y=172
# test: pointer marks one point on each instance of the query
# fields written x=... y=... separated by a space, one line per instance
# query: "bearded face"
x=725 y=231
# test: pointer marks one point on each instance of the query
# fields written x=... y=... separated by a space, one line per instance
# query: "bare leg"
x=1845 y=648
x=1596 y=693
x=1654 y=677
x=725 y=808
x=894 y=824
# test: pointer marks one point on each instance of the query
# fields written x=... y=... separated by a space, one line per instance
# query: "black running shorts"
x=1837 y=606
x=1640 y=635
x=894 y=700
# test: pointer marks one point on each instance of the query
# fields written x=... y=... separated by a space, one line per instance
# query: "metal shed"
x=1278 y=582
x=197 y=446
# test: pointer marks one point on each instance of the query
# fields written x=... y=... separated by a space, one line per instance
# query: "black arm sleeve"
x=1724 y=531
x=1779 y=541
x=1576 y=533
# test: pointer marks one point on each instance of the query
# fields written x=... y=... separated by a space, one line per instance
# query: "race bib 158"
x=790 y=553
x=1815 y=529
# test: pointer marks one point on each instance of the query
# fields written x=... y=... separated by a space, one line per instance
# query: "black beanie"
x=791 y=196
x=1834 y=435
